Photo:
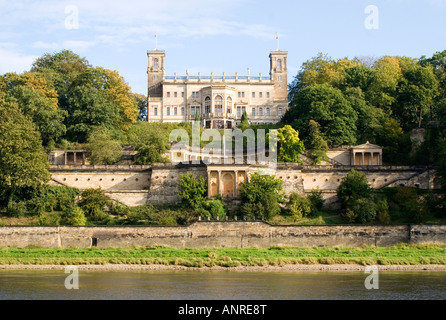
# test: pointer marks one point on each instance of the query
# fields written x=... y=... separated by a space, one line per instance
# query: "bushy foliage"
x=104 y=148
x=75 y=216
x=354 y=186
x=316 y=198
x=94 y=202
x=262 y=195
x=192 y=191
x=300 y=207
x=365 y=209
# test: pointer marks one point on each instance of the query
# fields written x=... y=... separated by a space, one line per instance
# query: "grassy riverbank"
x=402 y=254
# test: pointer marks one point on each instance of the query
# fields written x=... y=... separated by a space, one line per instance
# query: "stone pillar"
x=75 y=158
x=236 y=185
x=209 y=184
x=220 y=189
x=66 y=158
x=362 y=158
x=83 y=158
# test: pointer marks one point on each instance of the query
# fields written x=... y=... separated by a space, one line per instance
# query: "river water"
x=193 y=285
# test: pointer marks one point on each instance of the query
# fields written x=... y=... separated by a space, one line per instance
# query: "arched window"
x=261 y=112
x=268 y=111
x=175 y=111
x=207 y=105
x=279 y=64
x=182 y=111
x=229 y=104
x=156 y=64
x=168 y=111
x=218 y=104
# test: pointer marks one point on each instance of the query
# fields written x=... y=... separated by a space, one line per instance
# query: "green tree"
x=192 y=191
x=354 y=186
x=244 y=124
x=75 y=217
x=264 y=192
x=327 y=106
x=289 y=144
x=316 y=143
x=23 y=161
x=364 y=209
x=103 y=147
x=93 y=203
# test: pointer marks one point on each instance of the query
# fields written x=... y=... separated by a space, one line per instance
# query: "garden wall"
x=221 y=234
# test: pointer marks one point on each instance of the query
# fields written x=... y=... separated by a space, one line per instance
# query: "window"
x=218 y=104
x=182 y=111
x=260 y=94
x=268 y=95
x=229 y=104
x=207 y=105
x=155 y=111
x=182 y=94
x=175 y=94
x=239 y=111
x=168 y=94
x=261 y=112
x=253 y=94
x=279 y=78
x=279 y=64
x=155 y=78
x=192 y=111
x=175 y=111
x=253 y=112
x=268 y=111
x=280 y=111
x=168 y=111
x=239 y=94
x=156 y=64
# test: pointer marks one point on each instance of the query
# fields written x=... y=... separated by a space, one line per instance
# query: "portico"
x=366 y=155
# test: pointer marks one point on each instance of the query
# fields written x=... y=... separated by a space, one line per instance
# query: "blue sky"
x=214 y=35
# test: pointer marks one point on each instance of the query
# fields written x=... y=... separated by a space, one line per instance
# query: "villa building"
x=220 y=101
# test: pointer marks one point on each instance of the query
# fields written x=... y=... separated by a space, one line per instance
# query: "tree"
x=103 y=147
x=93 y=202
x=244 y=124
x=316 y=143
x=262 y=195
x=364 y=209
x=327 y=106
x=38 y=100
x=354 y=186
x=192 y=191
x=150 y=140
x=289 y=144
x=23 y=162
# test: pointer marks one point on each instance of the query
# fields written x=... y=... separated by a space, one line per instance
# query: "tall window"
x=280 y=111
x=207 y=105
x=253 y=112
x=229 y=104
x=168 y=111
x=253 y=94
x=182 y=94
x=192 y=111
x=155 y=111
x=239 y=111
x=175 y=111
x=157 y=64
x=268 y=111
x=260 y=94
x=168 y=94
x=182 y=111
x=218 y=104
x=175 y=94
x=267 y=95
x=261 y=112
x=279 y=64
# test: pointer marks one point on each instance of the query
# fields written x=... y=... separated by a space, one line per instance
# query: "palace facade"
x=219 y=101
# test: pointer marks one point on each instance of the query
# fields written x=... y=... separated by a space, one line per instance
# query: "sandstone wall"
x=221 y=234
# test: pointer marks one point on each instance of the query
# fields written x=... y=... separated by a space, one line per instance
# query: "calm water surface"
x=191 y=285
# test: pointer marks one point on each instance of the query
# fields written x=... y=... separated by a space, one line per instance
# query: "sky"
x=216 y=35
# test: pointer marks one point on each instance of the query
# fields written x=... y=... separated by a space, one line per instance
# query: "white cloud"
x=46 y=45
x=11 y=61
x=77 y=46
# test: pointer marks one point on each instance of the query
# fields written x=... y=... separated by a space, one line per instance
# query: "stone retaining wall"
x=221 y=234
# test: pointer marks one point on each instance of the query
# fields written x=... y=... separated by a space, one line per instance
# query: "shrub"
x=299 y=207
x=52 y=198
x=50 y=219
x=192 y=191
x=354 y=186
x=16 y=209
x=141 y=214
x=216 y=208
x=316 y=199
x=382 y=209
x=365 y=209
x=93 y=203
x=350 y=216
x=119 y=209
x=75 y=216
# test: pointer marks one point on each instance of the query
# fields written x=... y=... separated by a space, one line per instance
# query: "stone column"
x=236 y=185
x=209 y=184
x=362 y=158
x=220 y=188
x=75 y=158
x=66 y=158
